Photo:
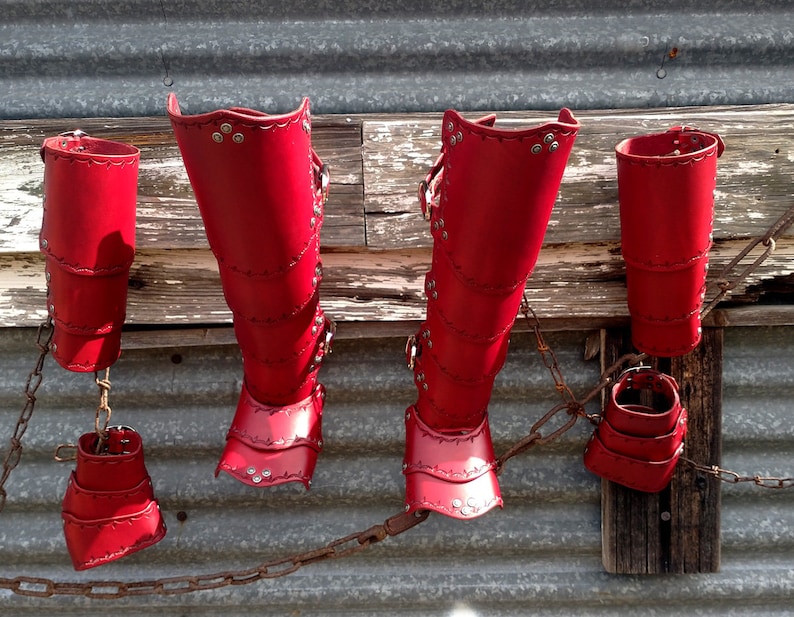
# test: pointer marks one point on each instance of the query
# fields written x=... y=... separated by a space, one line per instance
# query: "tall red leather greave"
x=88 y=239
x=488 y=199
x=109 y=509
x=666 y=185
x=261 y=189
x=639 y=445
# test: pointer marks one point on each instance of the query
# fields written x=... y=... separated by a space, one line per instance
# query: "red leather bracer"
x=261 y=189
x=666 y=185
x=637 y=445
x=88 y=239
x=109 y=510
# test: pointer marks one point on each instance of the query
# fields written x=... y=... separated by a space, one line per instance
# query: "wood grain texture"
x=376 y=244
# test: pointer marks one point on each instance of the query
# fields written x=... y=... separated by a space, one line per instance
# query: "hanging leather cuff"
x=109 y=510
x=88 y=239
x=666 y=185
x=453 y=474
x=636 y=445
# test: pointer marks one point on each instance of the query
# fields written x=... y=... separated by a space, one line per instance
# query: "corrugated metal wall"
x=91 y=58
x=538 y=556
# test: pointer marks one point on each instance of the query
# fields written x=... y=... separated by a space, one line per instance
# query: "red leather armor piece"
x=666 y=185
x=449 y=473
x=88 y=239
x=260 y=188
x=636 y=445
x=488 y=199
x=109 y=510
x=270 y=445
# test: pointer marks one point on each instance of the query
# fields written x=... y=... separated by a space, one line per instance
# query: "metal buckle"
x=411 y=351
x=325 y=182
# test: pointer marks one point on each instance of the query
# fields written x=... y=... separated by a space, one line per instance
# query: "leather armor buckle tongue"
x=454 y=474
x=109 y=510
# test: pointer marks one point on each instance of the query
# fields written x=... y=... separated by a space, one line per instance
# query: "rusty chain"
x=14 y=455
x=392 y=526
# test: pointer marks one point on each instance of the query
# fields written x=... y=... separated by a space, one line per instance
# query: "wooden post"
x=678 y=529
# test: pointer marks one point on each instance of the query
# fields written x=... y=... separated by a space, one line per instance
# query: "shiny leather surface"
x=109 y=510
x=666 y=185
x=488 y=199
x=260 y=189
x=635 y=445
x=88 y=239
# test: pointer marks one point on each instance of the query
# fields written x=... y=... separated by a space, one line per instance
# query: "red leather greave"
x=109 y=509
x=488 y=199
x=261 y=188
x=88 y=239
x=639 y=445
x=666 y=185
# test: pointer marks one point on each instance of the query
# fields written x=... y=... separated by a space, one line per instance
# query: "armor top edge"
x=661 y=148
x=80 y=146
x=566 y=124
x=242 y=115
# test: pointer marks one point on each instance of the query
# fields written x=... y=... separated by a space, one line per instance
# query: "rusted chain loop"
x=32 y=383
x=100 y=424
x=731 y=477
x=768 y=240
x=176 y=585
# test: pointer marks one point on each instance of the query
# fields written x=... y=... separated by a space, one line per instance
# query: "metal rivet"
x=554 y=145
x=256 y=479
x=472 y=501
x=52 y=308
x=267 y=473
x=420 y=377
x=217 y=137
x=457 y=503
x=407 y=415
x=407 y=507
x=405 y=466
x=306 y=126
x=54 y=347
x=318 y=210
x=320 y=443
x=48 y=276
x=536 y=149
x=465 y=510
x=250 y=471
x=459 y=135
x=318 y=359
x=440 y=222
x=700 y=330
x=549 y=137
x=226 y=127
x=452 y=141
x=314 y=281
x=431 y=284
x=312 y=222
x=318 y=270
x=424 y=386
x=318 y=320
x=430 y=344
x=314 y=330
x=444 y=235
x=435 y=225
x=434 y=295
x=425 y=333
x=238 y=138
x=44 y=243
x=450 y=127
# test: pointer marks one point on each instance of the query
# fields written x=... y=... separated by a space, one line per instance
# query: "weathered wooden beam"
x=678 y=529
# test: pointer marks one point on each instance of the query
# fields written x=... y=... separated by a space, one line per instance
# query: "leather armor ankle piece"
x=636 y=445
x=109 y=509
x=261 y=189
x=488 y=199
x=666 y=185
x=88 y=239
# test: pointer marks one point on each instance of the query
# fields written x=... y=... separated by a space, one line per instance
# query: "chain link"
x=100 y=423
x=34 y=379
x=731 y=477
